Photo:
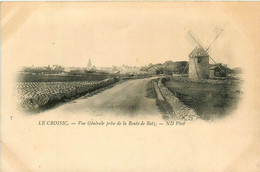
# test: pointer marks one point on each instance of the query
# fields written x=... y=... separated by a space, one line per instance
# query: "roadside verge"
x=180 y=110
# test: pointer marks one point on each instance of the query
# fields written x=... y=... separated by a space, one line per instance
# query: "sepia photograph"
x=130 y=66
x=82 y=81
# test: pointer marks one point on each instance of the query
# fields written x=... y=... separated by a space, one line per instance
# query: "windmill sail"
x=194 y=39
x=214 y=39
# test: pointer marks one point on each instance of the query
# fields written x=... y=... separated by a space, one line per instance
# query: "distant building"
x=152 y=70
x=217 y=71
x=93 y=68
x=115 y=70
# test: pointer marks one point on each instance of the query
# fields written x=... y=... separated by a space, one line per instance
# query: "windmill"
x=199 y=58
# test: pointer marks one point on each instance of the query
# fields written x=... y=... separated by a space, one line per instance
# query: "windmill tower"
x=199 y=63
x=199 y=59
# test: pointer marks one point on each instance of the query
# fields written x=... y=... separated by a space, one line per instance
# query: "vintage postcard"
x=130 y=86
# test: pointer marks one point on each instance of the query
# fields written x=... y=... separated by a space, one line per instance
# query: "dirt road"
x=127 y=98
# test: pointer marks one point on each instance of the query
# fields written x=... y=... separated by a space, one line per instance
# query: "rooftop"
x=198 y=51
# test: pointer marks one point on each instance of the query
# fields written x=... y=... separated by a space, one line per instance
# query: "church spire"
x=89 y=63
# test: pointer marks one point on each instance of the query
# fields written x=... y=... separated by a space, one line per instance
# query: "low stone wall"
x=157 y=90
x=181 y=111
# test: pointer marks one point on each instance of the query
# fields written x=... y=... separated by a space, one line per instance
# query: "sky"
x=116 y=33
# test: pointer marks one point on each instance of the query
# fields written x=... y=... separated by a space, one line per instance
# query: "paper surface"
x=134 y=34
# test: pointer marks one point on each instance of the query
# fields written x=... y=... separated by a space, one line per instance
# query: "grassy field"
x=209 y=100
x=35 y=96
x=32 y=77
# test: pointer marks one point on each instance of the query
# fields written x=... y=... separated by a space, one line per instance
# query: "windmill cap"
x=198 y=51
